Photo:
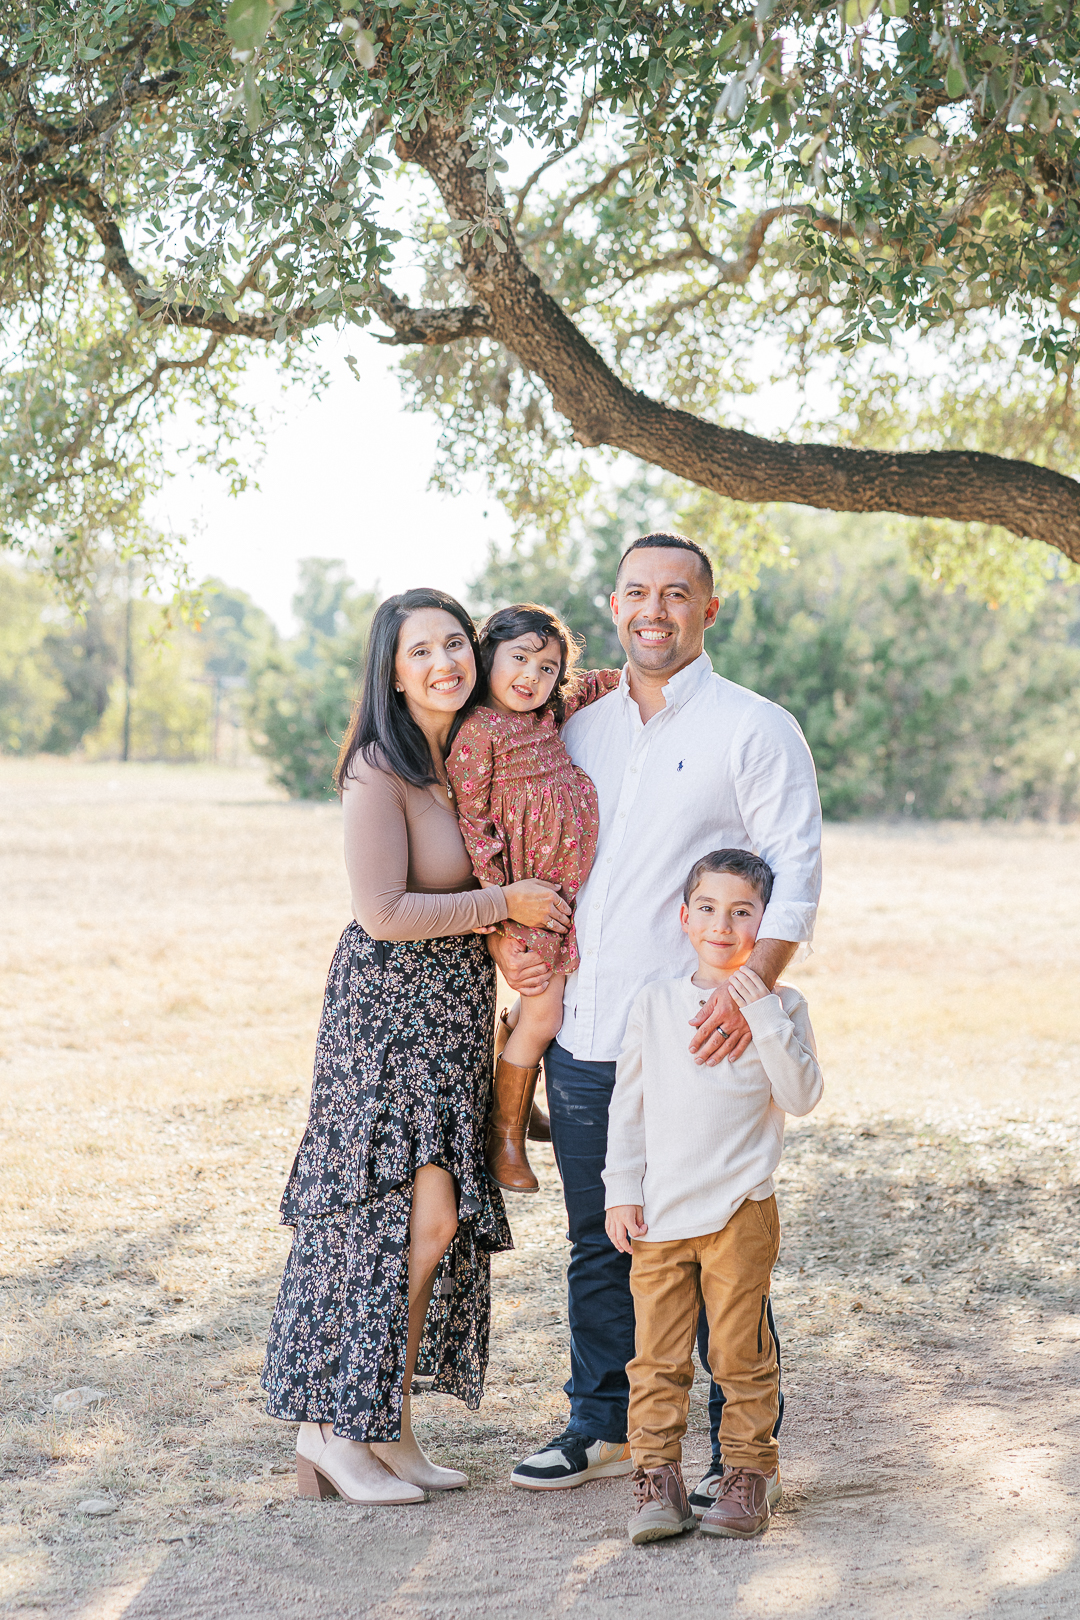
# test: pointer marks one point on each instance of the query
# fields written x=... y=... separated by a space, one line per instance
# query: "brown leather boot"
x=661 y=1507
x=539 y=1123
x=507 y=1163
x=503 y=1033
x=741 y=1507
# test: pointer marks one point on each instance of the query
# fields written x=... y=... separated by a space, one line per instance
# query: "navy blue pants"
x=600 y=1305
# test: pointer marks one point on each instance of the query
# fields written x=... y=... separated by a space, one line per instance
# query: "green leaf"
x=955 y=82
x=726 y=41
x=247 y=23
x=858 y=11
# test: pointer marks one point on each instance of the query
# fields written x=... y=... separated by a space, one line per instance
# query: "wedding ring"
x=723 y=1032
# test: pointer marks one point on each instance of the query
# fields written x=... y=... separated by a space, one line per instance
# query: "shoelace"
x=647 y=1489
x=567 y=1438
x=737 y=1483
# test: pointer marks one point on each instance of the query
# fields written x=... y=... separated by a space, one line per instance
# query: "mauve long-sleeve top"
x=409 y=871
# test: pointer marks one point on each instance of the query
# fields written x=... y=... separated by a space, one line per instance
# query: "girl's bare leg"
x=538 y=1022
x=432 y=1226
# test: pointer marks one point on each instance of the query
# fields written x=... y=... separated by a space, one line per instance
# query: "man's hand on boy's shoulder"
x=722 y=1031
x=623 y=1222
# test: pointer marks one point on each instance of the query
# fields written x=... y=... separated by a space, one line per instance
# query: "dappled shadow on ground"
x=927 y=1299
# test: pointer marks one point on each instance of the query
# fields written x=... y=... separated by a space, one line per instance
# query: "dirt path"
x=163 y=954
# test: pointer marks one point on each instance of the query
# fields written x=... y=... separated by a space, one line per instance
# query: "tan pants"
x=732 y=1272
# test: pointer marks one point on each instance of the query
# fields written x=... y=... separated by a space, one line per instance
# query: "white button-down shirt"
x=717 y=768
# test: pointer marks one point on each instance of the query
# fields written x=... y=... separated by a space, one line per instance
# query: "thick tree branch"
x=146 y=299
x=97 y=122
x=964 y=486
x=429 y=327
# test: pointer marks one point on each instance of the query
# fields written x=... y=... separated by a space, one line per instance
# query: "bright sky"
x=344 y=476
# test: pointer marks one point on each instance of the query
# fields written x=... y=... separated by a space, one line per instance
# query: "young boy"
x=689 y=1194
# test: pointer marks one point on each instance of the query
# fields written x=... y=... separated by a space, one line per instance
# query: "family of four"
x=638 y=851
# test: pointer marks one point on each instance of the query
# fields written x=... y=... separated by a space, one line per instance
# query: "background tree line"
x=915 y=701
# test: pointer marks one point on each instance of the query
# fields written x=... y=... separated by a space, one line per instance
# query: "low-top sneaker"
x=571 y=1459
x=704 y=1495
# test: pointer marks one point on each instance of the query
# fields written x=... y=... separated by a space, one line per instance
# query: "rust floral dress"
x=526 y=810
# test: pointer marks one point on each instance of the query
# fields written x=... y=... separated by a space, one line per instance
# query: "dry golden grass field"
x=165 y=936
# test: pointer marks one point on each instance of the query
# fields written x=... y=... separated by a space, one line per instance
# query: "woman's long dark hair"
x=381 y=730
x=530 y=619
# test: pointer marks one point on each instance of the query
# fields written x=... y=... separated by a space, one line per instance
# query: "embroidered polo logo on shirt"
x=680 y=765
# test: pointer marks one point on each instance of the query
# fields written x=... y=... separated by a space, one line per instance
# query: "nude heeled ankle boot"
x=409 y=1461
x=539 y=1122
x=327 y=1465
x=507 y=1162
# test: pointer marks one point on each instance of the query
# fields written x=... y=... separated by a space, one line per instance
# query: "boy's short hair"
x=740 y=863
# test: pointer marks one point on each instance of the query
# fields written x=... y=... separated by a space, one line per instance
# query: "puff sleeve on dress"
x=592 y=684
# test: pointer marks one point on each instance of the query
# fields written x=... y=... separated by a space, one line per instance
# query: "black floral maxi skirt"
x=402 y=1079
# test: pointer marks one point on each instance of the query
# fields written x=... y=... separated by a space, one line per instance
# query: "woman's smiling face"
x=434 y=666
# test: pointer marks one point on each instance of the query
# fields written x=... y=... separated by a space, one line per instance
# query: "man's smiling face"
x=662 y=605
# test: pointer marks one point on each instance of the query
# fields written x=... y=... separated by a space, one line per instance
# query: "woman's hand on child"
x=537 y=904
x=745 y=986
x=623 y=1222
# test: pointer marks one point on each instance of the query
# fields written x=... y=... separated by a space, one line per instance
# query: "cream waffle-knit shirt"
x=689 y=1143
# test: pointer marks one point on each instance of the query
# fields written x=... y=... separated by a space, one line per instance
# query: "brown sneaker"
x=741 y=1507
x=660 y=1505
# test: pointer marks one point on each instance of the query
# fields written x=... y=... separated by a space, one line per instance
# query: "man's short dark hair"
x=667 y=542
x=740 y=863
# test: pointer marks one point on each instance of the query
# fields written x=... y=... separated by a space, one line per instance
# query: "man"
x=684 y=762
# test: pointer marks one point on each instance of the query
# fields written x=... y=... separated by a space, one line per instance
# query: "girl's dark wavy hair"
x=529 y=618
x=381 y=730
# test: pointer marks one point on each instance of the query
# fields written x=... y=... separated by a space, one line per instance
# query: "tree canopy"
x=627 y=217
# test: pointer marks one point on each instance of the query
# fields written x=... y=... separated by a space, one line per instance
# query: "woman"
x=395 y=1218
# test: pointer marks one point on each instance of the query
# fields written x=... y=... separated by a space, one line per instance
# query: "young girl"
x=525 y=810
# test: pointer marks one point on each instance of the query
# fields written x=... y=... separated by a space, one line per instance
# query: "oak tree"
x=705 y=195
